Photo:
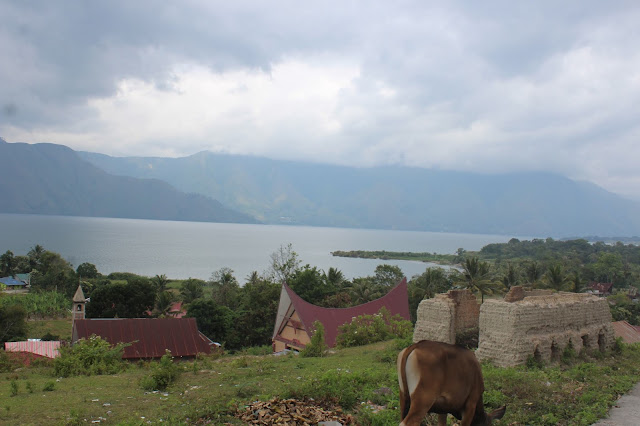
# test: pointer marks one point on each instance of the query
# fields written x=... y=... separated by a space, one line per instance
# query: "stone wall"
x=441 y=317
x=542 y=326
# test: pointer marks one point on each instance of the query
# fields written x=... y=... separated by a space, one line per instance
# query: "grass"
x=58 y=327
x=574 y=394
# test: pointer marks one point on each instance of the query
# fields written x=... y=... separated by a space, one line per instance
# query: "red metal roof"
x=628 y=332
x=150 y=336
x=48 y=349
x=396 y=301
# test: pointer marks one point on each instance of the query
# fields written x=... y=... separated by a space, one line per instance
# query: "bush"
x=366 y=329
x=163 y=374
x=569 y=353
x=13 y=391
x=49 y=386
x=93 y=356
x=317 y=346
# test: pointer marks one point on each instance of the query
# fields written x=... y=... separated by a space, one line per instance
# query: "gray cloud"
x=480 y=86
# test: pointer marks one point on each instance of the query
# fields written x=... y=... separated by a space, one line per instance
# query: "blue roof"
x=11 y=281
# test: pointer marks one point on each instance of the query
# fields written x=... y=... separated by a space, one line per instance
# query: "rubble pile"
x=292 y=412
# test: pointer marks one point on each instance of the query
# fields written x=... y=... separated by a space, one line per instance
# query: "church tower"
x=79 y=303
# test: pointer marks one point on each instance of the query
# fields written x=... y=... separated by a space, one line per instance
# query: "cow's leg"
x=442 y=420
x=468 y=414
x=421 y=403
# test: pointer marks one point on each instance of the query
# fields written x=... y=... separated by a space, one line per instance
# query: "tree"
x=214 y=320
x=13 y=323
x=226 y=289
x=133 y=299
x=533 y=272
x=87 y=270
x=164 y=301
x=512 y=276
x=192 y=289
x=364 y=290
x=309 y=283
x=35 y=255
x=160 y=282
x=477 y=278
x=335 y=277
x=425 y=286
x=557 y=279
x=256 y=313
x=7 y=264
x=388 y=275
x=284 y=264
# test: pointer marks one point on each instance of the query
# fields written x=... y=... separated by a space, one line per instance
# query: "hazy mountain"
x=53 y=179
x=533 y=204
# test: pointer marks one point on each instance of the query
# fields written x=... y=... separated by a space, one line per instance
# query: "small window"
x=79 y=308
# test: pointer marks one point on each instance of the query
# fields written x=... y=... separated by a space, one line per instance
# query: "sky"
x=489 y=87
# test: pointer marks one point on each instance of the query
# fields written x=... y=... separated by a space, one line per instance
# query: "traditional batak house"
x=294 y=322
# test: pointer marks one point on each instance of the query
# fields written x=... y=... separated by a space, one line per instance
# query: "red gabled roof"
x=49 y=349
x=151 y=336
x=396 y=301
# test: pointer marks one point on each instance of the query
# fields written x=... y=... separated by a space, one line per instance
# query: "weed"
x=29 y=387
x=49 y=386
x=242 y=362
x=93 y=356
x=569 y=353
x=317 y=347
x=13 y=390
x=163 y=374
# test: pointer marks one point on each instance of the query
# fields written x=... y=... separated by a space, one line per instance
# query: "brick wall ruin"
x=445 y=315
x=525 y=324
x=542 y=326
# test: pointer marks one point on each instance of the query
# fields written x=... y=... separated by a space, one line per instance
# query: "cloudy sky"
x=486 y=86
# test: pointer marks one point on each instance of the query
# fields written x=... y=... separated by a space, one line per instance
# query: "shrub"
x=49 y=386
x=93 y=356
x=366 y=329
x=163 y=374
x=13 y=391
x=317 y=346
x=569 y=353
x=29 y=387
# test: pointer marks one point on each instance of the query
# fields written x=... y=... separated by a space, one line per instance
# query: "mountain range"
x=53 y=180
x=400 y=198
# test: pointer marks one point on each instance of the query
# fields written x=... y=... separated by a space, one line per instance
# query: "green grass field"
x=356 y=378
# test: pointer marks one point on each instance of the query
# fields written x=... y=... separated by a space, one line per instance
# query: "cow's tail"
x=405 y=397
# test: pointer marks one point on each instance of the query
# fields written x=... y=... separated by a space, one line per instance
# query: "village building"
x=32 y=349
x=294 y=322
x=627 y=332
x=147 y=338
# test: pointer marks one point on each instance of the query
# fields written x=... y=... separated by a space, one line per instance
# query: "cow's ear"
x=498 y=413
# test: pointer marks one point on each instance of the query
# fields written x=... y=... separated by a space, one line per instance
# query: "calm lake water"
x=196 y=249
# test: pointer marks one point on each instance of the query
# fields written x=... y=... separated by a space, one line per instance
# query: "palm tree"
x=164 y=302
x=533 y=271
x=556 y=278
x=511 y=277
x=160 y=281
x=579 y=284
x=477 y=278
x=335 y=277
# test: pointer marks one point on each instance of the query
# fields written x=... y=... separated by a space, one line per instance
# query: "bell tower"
x=79 y=303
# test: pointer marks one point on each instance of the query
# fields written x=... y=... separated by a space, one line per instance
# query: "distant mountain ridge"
x=53 y=180
x=400 y=198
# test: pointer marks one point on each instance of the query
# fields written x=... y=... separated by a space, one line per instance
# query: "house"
x=149 y=338
x=295 y=318
x=28 y=351
x=629 y=333
x=601 y=289
x=13 y=283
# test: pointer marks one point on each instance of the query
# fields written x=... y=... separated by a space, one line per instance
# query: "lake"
x=196 y=249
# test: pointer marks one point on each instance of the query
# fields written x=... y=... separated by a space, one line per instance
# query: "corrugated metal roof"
x=396 y=301
x=628 y=332
x=11 y=281
x=150 y=337
x=50 y=349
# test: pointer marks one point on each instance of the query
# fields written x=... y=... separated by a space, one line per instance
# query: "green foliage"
x=40 y=304
x=284 y=264
x=13 y=388
x=317 y=346
x=132 y=299
x=468 y=338
x=568 y=353
x=13 y=325
x=93 y=356
x=29 y=386
x=215 y=321
x=366 y=329
x=192 y=289
x=225 y=287
x=49 y=386
x=87 y=270
x=163 y=374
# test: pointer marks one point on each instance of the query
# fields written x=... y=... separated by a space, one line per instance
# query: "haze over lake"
x=196 y=249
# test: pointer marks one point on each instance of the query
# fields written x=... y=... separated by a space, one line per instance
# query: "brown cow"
x=437 y=377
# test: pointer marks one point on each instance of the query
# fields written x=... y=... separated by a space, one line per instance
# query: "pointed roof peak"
x=79 y=296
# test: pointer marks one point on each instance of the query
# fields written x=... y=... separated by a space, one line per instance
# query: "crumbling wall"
x=542 y=327
x=445 y=315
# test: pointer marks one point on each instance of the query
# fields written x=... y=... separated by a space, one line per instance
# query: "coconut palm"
x=511 y=277
x=533 y=272
x=556 y=278
x=477 y=278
